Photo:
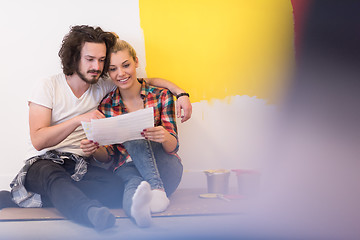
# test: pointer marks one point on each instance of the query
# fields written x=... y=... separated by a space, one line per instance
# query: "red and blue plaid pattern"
x=164 y=114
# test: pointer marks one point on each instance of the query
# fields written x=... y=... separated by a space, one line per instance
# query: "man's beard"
x=93 y=80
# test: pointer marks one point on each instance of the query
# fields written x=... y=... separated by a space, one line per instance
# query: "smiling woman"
x=123 y=66
x=149 y=167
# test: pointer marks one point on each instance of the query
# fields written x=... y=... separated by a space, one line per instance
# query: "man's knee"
x=43 y=173
x=45 y=169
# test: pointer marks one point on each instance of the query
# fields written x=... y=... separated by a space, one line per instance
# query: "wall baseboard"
x=198 y=179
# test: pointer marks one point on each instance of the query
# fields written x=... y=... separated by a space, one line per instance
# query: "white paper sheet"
x=119 y=129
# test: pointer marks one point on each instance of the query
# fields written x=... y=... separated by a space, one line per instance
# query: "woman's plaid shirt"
x=164 y=115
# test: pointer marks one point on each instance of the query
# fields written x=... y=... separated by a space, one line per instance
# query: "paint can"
x=218 y=181
x=248 y=182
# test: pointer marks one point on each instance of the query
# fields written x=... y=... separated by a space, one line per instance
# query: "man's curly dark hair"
x=74 y=41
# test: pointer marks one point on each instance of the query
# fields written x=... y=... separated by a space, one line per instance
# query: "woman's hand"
x=156 y=134
x=88 y=147
x=161 y=135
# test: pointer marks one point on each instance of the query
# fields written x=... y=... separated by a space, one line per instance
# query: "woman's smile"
x=123 y=80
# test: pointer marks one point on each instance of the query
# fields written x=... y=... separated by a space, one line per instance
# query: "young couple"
x=57 y=172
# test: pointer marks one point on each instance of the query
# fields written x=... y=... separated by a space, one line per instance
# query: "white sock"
x=159 y=201
x=140 y=208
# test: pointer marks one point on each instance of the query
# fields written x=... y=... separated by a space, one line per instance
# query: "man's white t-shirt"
x=56 y=94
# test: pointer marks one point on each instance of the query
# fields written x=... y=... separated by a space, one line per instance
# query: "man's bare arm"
x=183 y=103
x=43 y=135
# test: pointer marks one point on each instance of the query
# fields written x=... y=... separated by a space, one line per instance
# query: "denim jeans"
x=149 y=163
x=53 y=182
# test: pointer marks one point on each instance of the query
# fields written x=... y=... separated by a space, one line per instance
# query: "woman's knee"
x=133 y=147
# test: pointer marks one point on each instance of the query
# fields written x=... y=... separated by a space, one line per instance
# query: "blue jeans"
x=149 y=163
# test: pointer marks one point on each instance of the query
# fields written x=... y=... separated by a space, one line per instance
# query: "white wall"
x=224 y=134
x=31 y=35
x=221 y=134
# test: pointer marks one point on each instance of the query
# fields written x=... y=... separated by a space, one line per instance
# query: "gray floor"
x=183 y=227
x=209 y=227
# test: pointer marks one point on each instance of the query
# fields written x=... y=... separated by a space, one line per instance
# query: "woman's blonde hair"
x=121 y=45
